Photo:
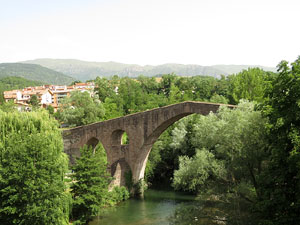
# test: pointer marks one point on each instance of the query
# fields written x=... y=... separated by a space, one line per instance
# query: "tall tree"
x=90 y=186
x=249 y=84
x=105 y=88
x=32 y=167
x=280 y=183
x=34 y=101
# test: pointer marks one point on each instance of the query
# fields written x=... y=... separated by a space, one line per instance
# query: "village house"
x=46 y=94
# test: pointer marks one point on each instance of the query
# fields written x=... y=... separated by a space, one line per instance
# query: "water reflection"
x=156 y=208
x=173 y=208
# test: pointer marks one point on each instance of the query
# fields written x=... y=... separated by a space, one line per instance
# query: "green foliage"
x=2 y=100
x=140 y=187
x=194 y=173
x=75 y=82
x=280 y=183
x=160 y=165
x=50 y=109
x=12 y=83
x=149 y=84
x=128 y=180
x=131 y=94
x=249 y=84
x=80 y=109
x=165 y=153
x=90 y=187
x=218 y=99
x=34 y=101
x=237 y=141
x=204 y=87
x=111 y=109
x=8 y=106
x=105 y=88
x=118 y=194
x=32 y=168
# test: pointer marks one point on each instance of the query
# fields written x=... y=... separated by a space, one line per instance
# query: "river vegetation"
x=243 y=163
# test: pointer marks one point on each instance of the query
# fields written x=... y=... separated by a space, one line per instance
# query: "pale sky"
x=204 y=32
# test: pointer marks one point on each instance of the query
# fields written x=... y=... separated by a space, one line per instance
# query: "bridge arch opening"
x=156 y=146
x=119 y=137
x=93 y=142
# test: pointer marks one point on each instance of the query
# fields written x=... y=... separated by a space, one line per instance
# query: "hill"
x=34 y=72
x=83 y=70
x=12 y=83
x=231 y=69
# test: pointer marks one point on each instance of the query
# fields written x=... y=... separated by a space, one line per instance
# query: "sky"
x=151 y=32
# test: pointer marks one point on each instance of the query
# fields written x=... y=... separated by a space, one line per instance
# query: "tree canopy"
x=80 y=109
x=280 y=183
x=32 y=167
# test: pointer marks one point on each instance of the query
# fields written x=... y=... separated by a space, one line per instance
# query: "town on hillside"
x=47 y=95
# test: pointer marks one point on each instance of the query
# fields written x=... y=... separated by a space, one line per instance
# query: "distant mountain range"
x=33 y=72
x=84 y=70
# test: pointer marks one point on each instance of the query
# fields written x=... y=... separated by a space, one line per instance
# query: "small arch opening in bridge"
x=119 y=137
x=93 y=142
x=96 y=146
x=125 y=139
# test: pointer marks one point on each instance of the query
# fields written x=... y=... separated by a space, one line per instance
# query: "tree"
x=237 y=140
x=32 y=168
x=111 y=109
x=280 y=182
x=132 y=95
x=204 y=87
x=50 y=109
x=2 y=100
x=34 y=101
x=166 y=83
x=80 y=109
x=75 y=82
x=105 y=88
x=218 y=99
x=149 y=84
x=195 y=172
x=249 y=84
x=90 y=186
x=8 y=106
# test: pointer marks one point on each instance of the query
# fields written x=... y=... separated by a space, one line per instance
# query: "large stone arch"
x=143 y=130
x=148 y=143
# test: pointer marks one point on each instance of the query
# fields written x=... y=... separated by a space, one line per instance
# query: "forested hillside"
x=33 y=72
x=12 y=83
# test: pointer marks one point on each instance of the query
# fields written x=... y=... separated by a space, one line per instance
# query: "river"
x=161 y=207
x=157 y=208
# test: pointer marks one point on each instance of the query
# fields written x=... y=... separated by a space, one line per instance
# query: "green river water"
x=161 y=207
x=157 y=208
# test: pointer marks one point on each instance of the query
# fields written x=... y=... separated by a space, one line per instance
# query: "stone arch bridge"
x=142 y=128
